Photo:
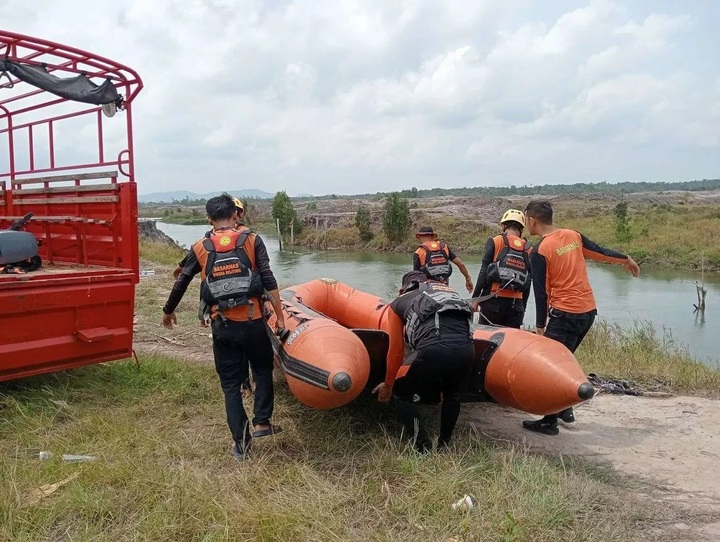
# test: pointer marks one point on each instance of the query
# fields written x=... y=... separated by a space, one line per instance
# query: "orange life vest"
x=434 y=259
x=235 y=265
x=511 y=252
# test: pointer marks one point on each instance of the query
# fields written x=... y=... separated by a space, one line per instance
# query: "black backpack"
x=511 y=270
x=433 y=300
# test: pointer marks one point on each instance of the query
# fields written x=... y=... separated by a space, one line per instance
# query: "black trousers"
x=431 y=367
x=569 y=329
x=502 y=311
x=234 y=345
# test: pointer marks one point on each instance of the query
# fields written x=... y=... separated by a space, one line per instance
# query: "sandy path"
x=671 y=443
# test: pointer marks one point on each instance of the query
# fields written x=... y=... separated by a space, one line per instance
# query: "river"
x=664 y=298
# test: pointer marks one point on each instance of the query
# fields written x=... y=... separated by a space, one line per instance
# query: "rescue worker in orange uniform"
x=504 y=280
x=235 y=269
x=434 y=257
x=564 y=301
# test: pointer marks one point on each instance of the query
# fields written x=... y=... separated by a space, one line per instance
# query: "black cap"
x=411 y=279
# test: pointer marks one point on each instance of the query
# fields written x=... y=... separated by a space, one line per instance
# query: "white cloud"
x=358 y=96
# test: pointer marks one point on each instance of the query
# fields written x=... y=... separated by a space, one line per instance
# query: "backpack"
x=231 y=278
x=433 y=300
x=437 y=263
x=510 y=271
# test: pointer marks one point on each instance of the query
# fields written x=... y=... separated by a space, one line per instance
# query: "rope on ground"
x=622 y=387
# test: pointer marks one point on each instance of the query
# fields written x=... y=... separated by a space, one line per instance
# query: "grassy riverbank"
x=163 y=471
x=161 y=253
x=649 y=358
x=660 y=235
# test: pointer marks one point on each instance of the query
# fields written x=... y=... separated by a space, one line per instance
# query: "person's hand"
x=177 y=271
x=384 y=392
x=540 y=331
x=632 y=266
x=469 y=284
x=168 y=320
x=475 y=306
x=280 y=321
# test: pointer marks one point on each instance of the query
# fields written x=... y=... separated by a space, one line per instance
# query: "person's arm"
x=601 y=254
x=487 y=258
x=394 y=362
x=191 y=268
x=463 y=269
x=539 y=275
x=180 y=265
x=262 y=261
x=416 y=261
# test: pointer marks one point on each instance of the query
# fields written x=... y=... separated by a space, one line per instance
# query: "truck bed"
x=64 y=316
x=60 y=269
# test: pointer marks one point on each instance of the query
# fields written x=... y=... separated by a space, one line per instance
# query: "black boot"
x=567 y=415
x=546 y=426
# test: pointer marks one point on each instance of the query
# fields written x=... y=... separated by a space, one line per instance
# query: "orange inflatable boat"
x=343 y=340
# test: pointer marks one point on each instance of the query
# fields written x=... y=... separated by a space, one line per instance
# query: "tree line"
x=542 y=190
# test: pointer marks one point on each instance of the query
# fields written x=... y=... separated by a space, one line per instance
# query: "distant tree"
x=623 y=232
x=283 y=209
x=312 y=206
x=362 y=221
x=396 y=221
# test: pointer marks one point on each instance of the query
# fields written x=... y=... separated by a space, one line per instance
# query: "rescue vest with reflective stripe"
x=230 y=283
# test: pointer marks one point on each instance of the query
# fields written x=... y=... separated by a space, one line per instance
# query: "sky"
x=356 y=96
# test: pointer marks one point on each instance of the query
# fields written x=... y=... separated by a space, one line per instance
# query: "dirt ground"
x=671 y=444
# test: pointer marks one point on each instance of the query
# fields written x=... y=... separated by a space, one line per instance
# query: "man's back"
x=566 y=279
x=454 y=325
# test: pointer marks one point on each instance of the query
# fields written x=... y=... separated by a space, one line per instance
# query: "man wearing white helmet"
x=503 y=284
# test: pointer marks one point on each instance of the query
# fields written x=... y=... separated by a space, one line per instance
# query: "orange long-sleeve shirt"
x=560 y=278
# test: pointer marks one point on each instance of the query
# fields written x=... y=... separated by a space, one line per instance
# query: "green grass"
x=161 y=252
x=640 y=355
x=164 y=473
x=663 y=235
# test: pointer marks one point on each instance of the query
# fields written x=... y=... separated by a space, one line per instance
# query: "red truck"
x=66 y=156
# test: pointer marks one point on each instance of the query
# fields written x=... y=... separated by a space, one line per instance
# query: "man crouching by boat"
x=437 y=329
x=235 y=270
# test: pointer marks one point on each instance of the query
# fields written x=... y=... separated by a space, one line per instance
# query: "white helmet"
x=513 y=215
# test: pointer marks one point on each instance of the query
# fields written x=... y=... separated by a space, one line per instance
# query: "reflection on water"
x=663 y=297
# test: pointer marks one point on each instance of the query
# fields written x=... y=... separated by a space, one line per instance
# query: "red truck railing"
x=69 y=160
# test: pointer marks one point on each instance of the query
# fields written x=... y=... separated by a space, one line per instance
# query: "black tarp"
x=79 y=88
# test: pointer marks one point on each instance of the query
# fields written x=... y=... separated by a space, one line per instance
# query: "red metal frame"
x=57 y=57
x=81 y=311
